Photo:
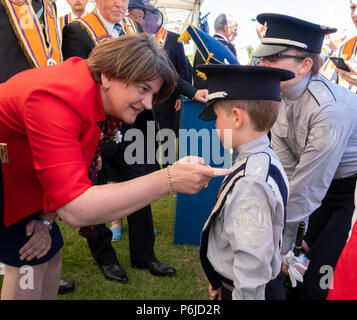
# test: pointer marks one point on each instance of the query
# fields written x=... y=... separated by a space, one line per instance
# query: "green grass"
x=78 y=265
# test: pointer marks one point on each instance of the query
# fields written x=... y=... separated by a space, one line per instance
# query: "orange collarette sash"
x=347 y=52
x=29 y=33
x=97 y=30
x=66 y=19
x=160 y=37
x=129 y=26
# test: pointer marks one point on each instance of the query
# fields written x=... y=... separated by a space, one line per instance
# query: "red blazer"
x=48 y=118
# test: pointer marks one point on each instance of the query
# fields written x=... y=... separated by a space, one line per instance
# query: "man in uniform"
x=78 y=8
x=79 y=38
x=344 y=279
x=314 y=138
x=166 y=113
x=34 y=24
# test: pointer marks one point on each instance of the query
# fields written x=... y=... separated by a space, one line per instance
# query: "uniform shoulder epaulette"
x=321 y=91
x=258 y=165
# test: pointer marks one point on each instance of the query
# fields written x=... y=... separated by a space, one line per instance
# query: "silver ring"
x=206 y=185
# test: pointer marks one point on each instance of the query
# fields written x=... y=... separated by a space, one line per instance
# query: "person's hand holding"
x=178 y=104
x=305 y=247
x=350 y=77
x=190 y=174
x=40 y=240
x=294 y=267
x=215 y=294
x=334 y=41
x=201 y=95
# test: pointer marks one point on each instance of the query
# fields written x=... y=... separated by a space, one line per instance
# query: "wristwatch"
x=47 y=223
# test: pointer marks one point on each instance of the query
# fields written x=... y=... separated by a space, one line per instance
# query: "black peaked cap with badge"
x=238 y=82
x=282 y=32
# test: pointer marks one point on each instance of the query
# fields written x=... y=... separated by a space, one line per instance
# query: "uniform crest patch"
x=324 y=137
x=252 y=222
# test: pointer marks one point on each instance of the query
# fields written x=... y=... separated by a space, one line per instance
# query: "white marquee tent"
x=179 y=13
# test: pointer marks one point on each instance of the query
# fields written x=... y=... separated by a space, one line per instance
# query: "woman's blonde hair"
x=134 y=58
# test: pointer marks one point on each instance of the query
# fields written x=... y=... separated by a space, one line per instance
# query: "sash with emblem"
x=160 y=37
x=97 y=30
x=28 y=30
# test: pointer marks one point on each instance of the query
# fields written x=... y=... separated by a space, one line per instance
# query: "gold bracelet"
x=171 y=190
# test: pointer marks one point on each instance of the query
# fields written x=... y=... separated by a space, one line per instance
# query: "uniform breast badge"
x=4 y=158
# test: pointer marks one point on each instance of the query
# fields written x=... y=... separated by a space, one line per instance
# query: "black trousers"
x=140 y=223
x=326 y=236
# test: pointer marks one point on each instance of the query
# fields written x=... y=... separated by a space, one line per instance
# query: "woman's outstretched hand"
x=190 y=174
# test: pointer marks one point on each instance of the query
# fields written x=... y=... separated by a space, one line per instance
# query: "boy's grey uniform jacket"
x=315 y=138
x=241 y=238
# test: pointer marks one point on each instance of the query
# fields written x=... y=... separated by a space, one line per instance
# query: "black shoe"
x=114 y=272
x=156 y=268
x=65 y=286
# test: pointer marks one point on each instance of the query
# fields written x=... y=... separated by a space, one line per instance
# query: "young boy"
x=240 y=242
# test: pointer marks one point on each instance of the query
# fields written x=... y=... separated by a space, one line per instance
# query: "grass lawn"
x=190 y=282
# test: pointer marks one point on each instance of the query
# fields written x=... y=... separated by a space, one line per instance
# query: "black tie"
x=118 y=28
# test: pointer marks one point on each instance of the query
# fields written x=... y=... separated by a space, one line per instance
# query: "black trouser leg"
x=101 y=248
x=140 y=223
x=330 y=225
x=275 y=289
x=141 y=236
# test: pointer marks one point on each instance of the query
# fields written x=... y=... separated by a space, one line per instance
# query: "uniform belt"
x=353 y=177
x=226 y=283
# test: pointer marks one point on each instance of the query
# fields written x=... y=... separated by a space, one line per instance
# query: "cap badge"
x=265 y=28
x=217 y=95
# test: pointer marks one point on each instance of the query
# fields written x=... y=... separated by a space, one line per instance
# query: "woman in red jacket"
x=51 y=120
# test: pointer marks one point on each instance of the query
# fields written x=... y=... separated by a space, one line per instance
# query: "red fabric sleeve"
x=54 y=130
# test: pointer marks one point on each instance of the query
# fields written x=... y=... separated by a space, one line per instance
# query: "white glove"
x=294 y=263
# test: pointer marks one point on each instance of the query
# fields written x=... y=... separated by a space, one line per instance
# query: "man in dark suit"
x=79 y=38
x=221 y=34
x=167 y=113
x=14 y=57
x=221 y=29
